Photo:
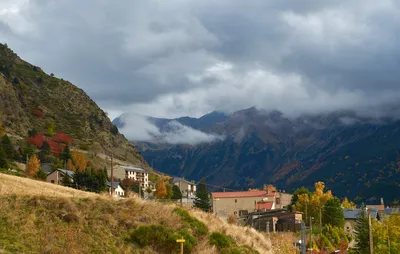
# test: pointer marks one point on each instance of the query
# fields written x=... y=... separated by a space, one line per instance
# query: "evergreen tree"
x=8 y=147
x=66 y=154
x=66 y=181
x=202 y=199
x=362 y=233
x=3 y=159
x=169 y=191
x=177 y=194
x=333 y=213
x=41 y=174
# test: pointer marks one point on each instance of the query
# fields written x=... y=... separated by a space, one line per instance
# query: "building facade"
x=137 y=174
x=238 y=203
x=57 y=175
x=188 y=189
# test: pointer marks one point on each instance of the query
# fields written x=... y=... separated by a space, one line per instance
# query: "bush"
x=197 y=226
x=233 y=219
x=41 y=174
x=220 y=240
x=163 y=239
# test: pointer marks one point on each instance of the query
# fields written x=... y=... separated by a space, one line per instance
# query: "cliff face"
x=31 y=99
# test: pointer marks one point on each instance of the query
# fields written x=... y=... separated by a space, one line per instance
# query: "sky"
x=187 y=58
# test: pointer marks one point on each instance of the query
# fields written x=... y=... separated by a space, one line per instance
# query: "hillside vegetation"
x=32 y=100
x=39 y=217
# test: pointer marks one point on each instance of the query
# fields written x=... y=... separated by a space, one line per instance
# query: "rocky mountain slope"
x=356 y=156
x=31 y=99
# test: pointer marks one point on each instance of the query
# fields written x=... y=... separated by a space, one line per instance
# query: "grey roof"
x=115 y=184
x=133 y=169
x=151 y=183
x=179 y=179
x=392 y=210
x=68 y=172
x=352 y=214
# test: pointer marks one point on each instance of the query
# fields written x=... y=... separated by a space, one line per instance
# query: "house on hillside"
x=243 y=202
x=280 y=220
x=57 y=175
x=118 y=190
x=138 y=174
x=350 y=217
x=187 y=188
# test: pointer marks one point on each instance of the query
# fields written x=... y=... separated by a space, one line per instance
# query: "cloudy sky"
x=186 y=57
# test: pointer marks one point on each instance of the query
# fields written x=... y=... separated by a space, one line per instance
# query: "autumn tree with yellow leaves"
x=347 y=204
x=33 y=166
x=79 y=160
x=161 y=189
x=312 y=204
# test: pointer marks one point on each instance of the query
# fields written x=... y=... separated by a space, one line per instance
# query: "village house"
x=57 y=175
x=137 y=174
x=278 y=220
x=350 y=217
x=118 y=190
x=187 y=188
x=238 y=203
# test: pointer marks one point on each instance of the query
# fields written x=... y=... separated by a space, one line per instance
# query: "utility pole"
x=306 y=214
x=320 y=219
x=112 y=174
x=311 y=233
x=303 y=237
x=180 y=190
x=371 y=243
x=267 y=229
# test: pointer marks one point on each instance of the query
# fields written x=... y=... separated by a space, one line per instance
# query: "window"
x=234 y=213
x=278 y=201
x=52 y=181
x=235 y=200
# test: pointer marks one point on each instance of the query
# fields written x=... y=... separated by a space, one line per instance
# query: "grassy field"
x=39 y=217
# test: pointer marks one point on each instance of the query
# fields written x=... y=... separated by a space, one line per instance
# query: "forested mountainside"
x=30 y=100
x=356 y=156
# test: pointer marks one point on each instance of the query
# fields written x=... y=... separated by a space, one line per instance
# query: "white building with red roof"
x=239 y=203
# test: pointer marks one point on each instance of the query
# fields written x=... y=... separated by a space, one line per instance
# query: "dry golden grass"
x=24 y=186
x=242 y=235
x=40 y=217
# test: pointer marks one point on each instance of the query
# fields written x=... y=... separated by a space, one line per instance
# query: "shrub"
x=197 y=226
x=38 y=113
x=243 y=249
x=162 y=239
x=41 y=174
x=233 y=219
x=220 y=240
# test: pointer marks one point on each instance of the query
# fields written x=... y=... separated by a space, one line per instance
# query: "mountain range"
x=31 y=99
x=356 y=156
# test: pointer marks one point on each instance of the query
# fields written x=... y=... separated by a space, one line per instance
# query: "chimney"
x=382 y=202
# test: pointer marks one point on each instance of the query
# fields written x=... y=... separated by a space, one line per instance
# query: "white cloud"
x=139 y=128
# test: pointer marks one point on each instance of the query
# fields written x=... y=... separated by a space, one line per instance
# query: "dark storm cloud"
x=169 y=58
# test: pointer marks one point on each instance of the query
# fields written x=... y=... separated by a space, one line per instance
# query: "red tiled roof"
x=241 y=194
x=265 y=205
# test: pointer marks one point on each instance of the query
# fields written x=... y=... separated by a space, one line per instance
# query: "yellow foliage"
x=33 y=166
x=269 y=187
x=79 y=160
x=161 y=189
x=348 y=204
x=315 y=202
x=2 y=132
x=70 y=166
x=384 y=230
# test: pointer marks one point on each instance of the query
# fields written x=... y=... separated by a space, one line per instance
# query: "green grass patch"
x=220 y=240
x=163 y=239
x=199 y=228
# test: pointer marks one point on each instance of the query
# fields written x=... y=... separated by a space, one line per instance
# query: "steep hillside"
x=55 y=219
x=31 y=99
x=266 y=147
